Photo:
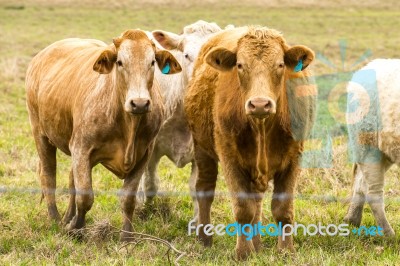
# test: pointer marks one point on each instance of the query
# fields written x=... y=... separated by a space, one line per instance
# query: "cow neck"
x=132 y=123
x=262 y=164
x=262 y=128
x=128 y=123
x=109 y=96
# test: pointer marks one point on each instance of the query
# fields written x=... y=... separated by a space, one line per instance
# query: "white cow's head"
x=189 y=43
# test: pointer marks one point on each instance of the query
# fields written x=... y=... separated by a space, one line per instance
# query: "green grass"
x=27 y=237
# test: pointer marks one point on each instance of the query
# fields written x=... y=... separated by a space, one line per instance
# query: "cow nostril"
x=260 y=106
x=251 y=106
x=140 y=105
x=268 y=105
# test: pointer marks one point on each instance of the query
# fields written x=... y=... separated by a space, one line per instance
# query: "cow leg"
x=244 y=209
x=374 y=177
x=354 y=214
x=71 y=210
x=257 y=218
x=205 y=189
x=151 y=178
x=192 y=188
x=246 y=204
x=82 y=175
x=128 y=203
x=47 y=173
x=128 y=196
x=282 y=205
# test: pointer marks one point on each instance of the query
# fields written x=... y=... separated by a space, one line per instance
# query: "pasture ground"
x=27 y=237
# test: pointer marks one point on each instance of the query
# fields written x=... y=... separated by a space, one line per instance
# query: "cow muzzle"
x=139 y=106
x=260 y=107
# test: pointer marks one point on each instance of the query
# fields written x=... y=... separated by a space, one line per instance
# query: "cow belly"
x=57 y=130
x=389 y=94
x=389 y=136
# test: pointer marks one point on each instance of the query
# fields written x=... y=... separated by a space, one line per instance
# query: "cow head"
x=131 y=59
x=260 y=61
x=189 y=42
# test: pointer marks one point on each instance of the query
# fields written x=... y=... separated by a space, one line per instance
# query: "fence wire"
x=224 y=194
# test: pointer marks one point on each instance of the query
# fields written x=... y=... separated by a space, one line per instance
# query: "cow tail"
x=354 y=171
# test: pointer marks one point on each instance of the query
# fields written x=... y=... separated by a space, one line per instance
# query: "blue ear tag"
x=166 y=69
x=299 y=66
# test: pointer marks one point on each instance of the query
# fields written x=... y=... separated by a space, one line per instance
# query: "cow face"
x=133 y=57
x=260 y=61
x=189 y=42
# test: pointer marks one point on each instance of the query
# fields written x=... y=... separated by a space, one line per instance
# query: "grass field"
x=27 y=237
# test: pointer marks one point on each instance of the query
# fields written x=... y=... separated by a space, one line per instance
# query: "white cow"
x=175 y=140
x=374 y=134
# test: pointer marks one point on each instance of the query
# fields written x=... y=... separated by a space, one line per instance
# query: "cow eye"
x=119 y=63
x=188 y=57
x=239 y=66
x=281 y=65
x=153 y=62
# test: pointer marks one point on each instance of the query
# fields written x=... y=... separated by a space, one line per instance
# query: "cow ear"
x=167 y=62
x=168 y=40
x=298 y=57
x=117 y=42
x=221 y=58
x=105 y=62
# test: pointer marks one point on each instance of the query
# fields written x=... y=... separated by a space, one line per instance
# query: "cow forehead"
x=192 y=45
x=136 y=49
x=261 y=43
x=264 y=49
x=194 y=38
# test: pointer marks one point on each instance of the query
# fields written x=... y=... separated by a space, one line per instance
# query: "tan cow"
x=243 y=113
x=100 y=104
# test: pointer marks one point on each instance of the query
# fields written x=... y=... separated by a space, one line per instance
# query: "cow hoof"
x=75 y=229
x=287 y=250
x=286 y=246
x=75 y=224
x=148 y=208
x=353 y=219
x=389 y=232
x=55 y=215
x=160 y=207
x=70 y=226
x=77 y=234
x=242 y=255
x=257 y=244
x=206 y=241
x=126 y=237
x=67 y=219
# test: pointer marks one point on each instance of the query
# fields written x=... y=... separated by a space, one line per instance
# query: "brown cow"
x=99 y=104
x=240 y=112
